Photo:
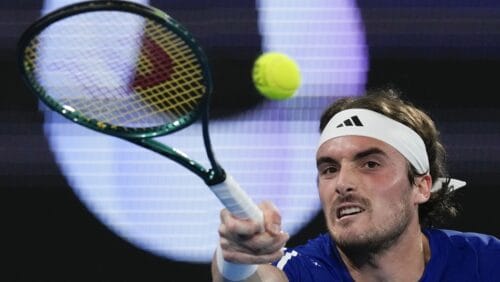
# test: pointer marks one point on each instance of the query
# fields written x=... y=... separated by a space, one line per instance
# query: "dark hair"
x=389 y=102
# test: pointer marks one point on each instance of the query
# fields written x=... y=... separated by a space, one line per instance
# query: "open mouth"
x=348 y=211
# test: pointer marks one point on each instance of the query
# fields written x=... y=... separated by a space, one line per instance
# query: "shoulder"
x=467 y=254
x=477 y=241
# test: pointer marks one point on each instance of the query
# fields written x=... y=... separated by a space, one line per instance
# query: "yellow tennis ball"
x=276 y=75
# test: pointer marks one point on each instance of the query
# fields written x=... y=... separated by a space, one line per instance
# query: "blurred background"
x=80 y=206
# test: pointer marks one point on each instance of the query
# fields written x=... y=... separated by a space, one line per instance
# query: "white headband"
x=368 y=123
x=363 y=122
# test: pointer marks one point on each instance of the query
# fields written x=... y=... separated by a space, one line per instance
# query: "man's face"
x=367 y=198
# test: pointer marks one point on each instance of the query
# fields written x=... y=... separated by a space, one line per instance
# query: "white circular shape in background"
x=159 y=206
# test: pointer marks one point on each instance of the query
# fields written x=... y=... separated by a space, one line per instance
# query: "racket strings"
x=184 y=83
x=140 y=76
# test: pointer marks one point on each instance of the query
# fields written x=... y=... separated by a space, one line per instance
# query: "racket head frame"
x=148 y=12
x=212 y=176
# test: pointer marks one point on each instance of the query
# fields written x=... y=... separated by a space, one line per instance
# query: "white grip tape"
x=236 y=200
x=233 y=271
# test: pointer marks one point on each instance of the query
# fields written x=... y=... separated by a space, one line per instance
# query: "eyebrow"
x=368 y=152
x=358 y=156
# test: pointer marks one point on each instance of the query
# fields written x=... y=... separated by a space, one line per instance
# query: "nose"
x=345 y=181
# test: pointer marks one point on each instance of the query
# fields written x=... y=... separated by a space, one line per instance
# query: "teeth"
x=348 y=211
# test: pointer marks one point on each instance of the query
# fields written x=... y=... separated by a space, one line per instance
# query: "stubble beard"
x=376 y=240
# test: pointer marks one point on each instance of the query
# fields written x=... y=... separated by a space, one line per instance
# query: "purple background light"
x=159 y=206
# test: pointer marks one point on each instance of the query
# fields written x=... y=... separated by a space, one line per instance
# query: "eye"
x=371 y=164
x=330 y=169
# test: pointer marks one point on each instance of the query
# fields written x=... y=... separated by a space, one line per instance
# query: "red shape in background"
x=162 y=65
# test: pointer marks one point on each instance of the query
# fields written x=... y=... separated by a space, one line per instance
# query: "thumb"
x=272 y=217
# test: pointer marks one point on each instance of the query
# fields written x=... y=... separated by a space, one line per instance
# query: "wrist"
x=233 y=271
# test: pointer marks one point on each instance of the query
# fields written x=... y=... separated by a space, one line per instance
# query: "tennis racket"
x=130 y=71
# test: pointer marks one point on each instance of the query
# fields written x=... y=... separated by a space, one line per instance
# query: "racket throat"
x=216 y=175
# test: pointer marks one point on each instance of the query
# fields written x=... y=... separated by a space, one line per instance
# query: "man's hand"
x=243 y=241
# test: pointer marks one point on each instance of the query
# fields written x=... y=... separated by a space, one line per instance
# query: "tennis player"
x=384 y=189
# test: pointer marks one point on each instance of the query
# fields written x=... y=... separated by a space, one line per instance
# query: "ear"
x=423 y=191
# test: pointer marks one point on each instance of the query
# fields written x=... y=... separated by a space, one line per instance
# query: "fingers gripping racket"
x=130 y=71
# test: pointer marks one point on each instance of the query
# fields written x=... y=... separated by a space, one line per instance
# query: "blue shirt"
x=455 y=256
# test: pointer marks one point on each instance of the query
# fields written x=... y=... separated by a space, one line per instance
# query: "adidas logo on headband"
x=352 y=121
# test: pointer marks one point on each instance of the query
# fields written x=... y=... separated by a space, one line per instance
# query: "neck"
x=404 y=260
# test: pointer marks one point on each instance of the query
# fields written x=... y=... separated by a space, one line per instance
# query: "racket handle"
x=237 y=201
